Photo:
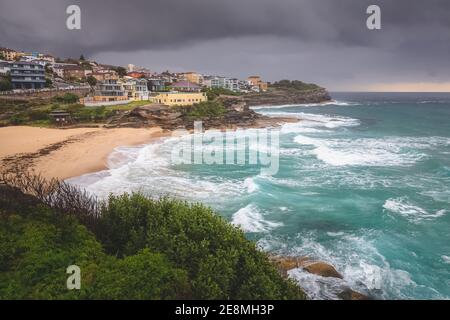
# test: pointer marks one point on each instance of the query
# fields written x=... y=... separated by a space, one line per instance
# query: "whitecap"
x=319 y=104
x=250 y=219
x=446 y=259
x=406 y=209
x=250 y=184
x=362 y=152
x=335 y=234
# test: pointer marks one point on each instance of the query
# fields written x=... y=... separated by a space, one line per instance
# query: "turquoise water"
x=363 y=183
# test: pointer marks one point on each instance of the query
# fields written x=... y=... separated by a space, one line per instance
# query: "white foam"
x=335 y=234
x=446 y=259
x=250 y=184
x=362 y=152
x=320 y=104
x=410 y=211
x=317 y=287
x=363 y=268
x=250 y=219
x=312 y=120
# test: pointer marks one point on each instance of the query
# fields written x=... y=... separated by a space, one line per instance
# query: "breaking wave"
x=370 y=152
x=406 y=209
x=250 y=219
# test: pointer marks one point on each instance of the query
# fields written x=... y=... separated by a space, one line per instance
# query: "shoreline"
x=68 y=153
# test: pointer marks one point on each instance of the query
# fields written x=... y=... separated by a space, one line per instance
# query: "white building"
x=222 y=82
x=4 y=67
x=135 y=89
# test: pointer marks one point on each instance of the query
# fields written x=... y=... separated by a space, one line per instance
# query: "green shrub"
x=213 y=93
x=5 y=83
x=140 y=248
x=17 y=119
x=220 y=261
x=294 y=85
x=86 y=114
x=207 y=109
x=67 y=98
x=38 y=115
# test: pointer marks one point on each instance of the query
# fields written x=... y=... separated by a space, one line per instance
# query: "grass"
x=128 y=106
x=36 y=112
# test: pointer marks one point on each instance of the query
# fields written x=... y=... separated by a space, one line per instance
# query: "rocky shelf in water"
x=285 y=264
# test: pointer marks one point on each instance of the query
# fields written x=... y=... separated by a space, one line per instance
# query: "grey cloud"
x=414 y=41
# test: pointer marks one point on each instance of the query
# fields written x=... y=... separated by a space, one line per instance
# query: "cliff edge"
x=286 y=92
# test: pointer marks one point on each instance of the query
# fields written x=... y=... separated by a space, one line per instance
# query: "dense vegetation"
x=213 y=93
x=294 y=85
x=5 y=83
x=203 y=110
x=128 y=247
x=36 y=111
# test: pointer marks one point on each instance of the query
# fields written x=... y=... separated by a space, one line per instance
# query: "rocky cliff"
x=237 y=111
x=237 y=114
x=283 y=96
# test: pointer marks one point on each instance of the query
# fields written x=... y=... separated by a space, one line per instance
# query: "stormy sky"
x=321 y=41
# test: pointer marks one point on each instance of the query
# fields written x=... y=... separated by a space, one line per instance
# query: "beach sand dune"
x=58 y=153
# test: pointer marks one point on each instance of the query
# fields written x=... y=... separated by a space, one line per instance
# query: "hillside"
x=287 y=92
x=129 y=247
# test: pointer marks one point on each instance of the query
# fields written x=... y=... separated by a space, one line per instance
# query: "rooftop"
x=185 y=84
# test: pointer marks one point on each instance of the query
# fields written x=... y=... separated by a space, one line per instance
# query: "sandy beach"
x=62 y=154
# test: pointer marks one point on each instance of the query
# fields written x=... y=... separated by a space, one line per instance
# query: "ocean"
x=363 y=183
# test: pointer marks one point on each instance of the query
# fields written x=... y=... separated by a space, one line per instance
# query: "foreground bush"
x=138 y=248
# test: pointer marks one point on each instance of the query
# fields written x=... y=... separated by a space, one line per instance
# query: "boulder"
x=322 y=269
x=349 y=294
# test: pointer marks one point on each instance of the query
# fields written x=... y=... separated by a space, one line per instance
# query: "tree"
x=91 y=80
x=48 y=83
x=5 y=83
x=67 y=98
x=82 y=58
x=2 y=56
x=121 y=71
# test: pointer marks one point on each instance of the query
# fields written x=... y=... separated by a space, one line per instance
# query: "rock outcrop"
x=349 y=294
x=322 y=269
x=237 y=115
x=281 y=96
x=284 y=264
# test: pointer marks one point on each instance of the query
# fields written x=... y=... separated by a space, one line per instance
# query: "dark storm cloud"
x=143 y=24
x=415 y=34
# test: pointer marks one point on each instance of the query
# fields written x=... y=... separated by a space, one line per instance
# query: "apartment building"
x=193 y=77
x=222 y=82
x=185 y=86
x=136 y=89
x=27 y=75
x=9 y=54
x=109 y=91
